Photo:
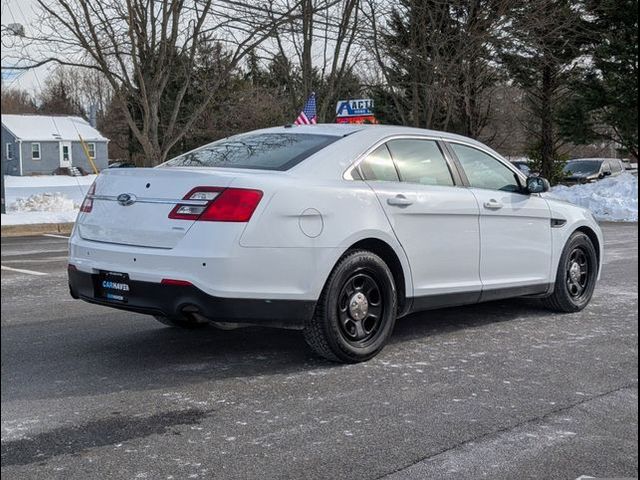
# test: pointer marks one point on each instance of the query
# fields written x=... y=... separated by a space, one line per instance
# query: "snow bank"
x=44 y=198
x=612 y=199
x=41 y=208
x=43 y=202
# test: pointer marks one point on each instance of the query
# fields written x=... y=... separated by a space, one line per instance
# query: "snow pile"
x=44 y=202
x=612 y=199
x=44 y=198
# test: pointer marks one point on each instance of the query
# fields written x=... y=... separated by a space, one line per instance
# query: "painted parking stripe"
x=20 y=270
x=53 y=235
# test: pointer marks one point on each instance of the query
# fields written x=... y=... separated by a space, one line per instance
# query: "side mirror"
x=538 y=185
x=607 y=173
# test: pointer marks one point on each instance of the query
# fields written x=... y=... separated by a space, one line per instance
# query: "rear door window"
x=420 y=161
x=379 y=166
x=263 y=151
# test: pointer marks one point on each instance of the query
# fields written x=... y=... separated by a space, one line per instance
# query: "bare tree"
x=141 y=46
x=437 y=59
x=321 y=41
x=17 y=101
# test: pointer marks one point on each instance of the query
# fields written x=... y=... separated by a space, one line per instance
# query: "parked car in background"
x=523 y=166
x=629 y=165
x=587 y=170
x=121 y=164
x=336 y=230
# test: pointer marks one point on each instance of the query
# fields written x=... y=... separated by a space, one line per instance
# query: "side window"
x=35 y=151
x=9 y=151
x=91 y=147
x=420 y=161
x=379 y=166
x=485 y=171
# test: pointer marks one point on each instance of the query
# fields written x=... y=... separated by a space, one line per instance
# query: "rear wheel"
x=576 y=275
x=356 y=312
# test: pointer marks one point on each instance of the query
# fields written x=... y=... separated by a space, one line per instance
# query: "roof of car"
x=341 y=130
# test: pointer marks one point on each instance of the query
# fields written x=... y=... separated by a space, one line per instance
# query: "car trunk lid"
x=132 y=206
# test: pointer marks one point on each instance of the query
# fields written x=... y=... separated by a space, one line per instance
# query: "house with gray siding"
x=40 y=144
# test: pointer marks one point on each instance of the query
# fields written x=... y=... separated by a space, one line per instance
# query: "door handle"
x=399 y=201
x=493 y=205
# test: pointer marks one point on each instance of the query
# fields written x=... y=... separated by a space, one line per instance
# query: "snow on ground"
x=47 y=181
x=43 y=202
x=44 y=199
x=612 y=199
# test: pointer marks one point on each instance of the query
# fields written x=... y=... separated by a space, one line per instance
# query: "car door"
x=435 y=221
x=515 y=227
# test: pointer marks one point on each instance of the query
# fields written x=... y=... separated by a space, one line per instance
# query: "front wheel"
x=576 y=275
x=356 y=312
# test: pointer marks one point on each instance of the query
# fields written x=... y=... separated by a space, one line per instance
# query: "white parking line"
x=53 y=235
x=20 y=270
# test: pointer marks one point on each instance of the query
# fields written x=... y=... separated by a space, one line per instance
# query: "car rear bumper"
x=176 y=301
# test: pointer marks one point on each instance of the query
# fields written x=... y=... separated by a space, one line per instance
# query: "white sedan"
x=333 y=229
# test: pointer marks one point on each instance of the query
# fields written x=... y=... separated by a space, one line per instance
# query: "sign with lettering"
x=354 y=108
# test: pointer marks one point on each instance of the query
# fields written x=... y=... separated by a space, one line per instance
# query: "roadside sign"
x=355 y=111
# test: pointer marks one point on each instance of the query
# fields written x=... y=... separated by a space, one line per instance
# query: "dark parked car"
x=122 y=165
x=588 y=170
x=523 y=166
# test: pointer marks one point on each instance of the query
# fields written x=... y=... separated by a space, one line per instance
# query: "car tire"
x=576 y=276
x=184 y=323
x=357 y=310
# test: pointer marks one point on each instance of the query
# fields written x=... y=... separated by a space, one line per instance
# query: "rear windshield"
x=262 y=151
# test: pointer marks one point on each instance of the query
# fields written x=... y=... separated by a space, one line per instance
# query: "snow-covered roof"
x=46 y=128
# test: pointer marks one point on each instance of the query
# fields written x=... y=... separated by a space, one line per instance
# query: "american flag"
x=308 y=115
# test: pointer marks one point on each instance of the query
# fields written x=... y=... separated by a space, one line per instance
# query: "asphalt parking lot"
x=500 y=390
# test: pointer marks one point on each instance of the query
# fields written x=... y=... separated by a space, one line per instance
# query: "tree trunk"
x=546 y=123
x=307 y=39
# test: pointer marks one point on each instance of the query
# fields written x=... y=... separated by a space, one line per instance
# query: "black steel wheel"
x=360 y=308
x=577 y=269
x=356 y=311
x=576 y=275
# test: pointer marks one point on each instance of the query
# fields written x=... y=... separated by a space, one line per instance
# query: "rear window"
x=264 y=151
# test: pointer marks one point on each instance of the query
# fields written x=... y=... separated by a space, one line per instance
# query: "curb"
x=35 y=229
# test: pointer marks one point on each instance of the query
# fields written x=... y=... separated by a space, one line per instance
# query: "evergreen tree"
x=441 y=66
x=544 y=40
x=604 y=105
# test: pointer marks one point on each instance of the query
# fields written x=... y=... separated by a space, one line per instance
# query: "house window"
x=9 y=151
x=91 y=147
x=35 y=151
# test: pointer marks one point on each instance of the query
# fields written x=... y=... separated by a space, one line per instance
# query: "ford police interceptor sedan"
x=336 y=230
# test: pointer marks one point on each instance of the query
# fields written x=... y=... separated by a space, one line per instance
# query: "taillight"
x=87 y=203
x=222 y=205
x=203 y=197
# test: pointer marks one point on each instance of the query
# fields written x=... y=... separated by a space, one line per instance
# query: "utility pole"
x=4 y=209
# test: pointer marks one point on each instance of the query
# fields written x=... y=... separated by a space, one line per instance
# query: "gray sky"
x=23 y=12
